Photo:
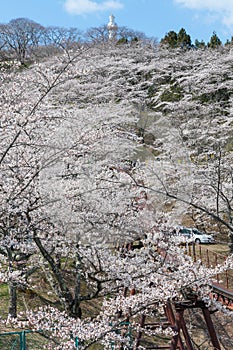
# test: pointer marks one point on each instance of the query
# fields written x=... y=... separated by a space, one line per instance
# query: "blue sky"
x=153 y=17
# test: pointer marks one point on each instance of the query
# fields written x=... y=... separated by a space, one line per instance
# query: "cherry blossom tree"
x=49 y=151
x=198 y=99
x=95 y=143
x=156 y=279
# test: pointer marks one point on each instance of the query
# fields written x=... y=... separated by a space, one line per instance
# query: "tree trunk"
x=231 y=242
x=71 y=304
x=12 y=311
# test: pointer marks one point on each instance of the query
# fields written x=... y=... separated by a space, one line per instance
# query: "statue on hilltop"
x=112 y=27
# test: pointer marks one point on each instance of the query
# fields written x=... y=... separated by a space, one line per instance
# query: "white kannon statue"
x=112 y=27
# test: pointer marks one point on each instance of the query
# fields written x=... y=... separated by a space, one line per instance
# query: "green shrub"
x=173 y=94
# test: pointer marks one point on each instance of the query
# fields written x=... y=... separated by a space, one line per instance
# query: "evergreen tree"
x=200 y=44
x=229 y=42
x=214 y=41
x=183 y=39
x=170 y=39
x=173 y=40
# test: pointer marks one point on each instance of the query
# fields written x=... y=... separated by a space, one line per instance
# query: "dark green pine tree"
x=215 y=42
x=183 y=39
x=170 y=39
x=199 y=44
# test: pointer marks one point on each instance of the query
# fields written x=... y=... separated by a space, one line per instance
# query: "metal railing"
x=13 y=340
x=26 y=340
x=21 y=340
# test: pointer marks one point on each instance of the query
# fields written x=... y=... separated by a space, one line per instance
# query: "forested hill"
x=176 y=103
x=187 y=83
x=192 y=88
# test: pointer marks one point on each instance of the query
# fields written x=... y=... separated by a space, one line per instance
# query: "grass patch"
x=219 y=95
x=173 y=94
x=4 y=295
x=4 y=290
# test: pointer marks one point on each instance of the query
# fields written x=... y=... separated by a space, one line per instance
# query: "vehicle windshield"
x=196 y=232
x=185 y=231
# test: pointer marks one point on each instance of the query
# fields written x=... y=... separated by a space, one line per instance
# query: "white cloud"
x=223 y=9
x=81 y=7
x=211 y=5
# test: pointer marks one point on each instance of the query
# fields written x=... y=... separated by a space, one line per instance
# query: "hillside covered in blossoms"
x=103 y=145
